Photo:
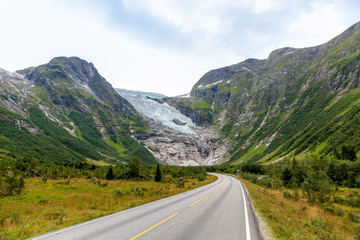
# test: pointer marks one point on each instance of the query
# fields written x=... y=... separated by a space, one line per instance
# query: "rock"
x=159 y=100
x=94 y=180
x=33 y=173
x=178 y=122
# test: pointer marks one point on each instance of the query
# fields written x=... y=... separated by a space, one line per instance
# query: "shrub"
x=357 y=233
x=136 y=191
x=353 y=217
x=201 y=177
x=118 y=192
x=180 y=183
x=11 y=185
x=55 y=215
x=317 y=187
x=16 y=218
x=287 y=194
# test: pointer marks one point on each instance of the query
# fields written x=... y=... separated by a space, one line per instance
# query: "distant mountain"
x=296 y=101
x=66 y=111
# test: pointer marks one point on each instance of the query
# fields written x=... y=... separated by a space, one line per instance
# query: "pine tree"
x=158 y=176
x=110 y=174
x=286 y=176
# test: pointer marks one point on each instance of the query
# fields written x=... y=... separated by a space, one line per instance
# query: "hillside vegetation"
x=66 y=111
x=296 y=101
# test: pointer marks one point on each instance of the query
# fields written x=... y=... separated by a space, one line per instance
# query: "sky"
x=164 y=46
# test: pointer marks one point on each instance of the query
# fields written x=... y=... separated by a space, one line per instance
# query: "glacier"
x=152 y=106
x=4 y=71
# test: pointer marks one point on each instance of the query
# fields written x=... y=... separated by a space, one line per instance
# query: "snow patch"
x=245 y=68
x=211 y=84
x=289 y=53
x=184 y=96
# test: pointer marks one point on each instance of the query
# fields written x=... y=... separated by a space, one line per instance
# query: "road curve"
x=219 y=210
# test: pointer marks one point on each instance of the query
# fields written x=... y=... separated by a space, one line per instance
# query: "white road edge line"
x=246 y=214
x=55 y=232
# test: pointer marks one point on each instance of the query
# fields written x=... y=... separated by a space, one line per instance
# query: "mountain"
x=66 y=111
x=173 y=138
x=296 y=101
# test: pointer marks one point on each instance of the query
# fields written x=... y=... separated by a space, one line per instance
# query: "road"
x=219 y=210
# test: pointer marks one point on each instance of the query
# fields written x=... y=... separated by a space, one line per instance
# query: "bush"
x=180 y=183
x=201 y=177
x=136 y=191
x=118 y=192
x=317 y=187
x=357 y=233
x=353 y=217
x=287 y=194
x=11 y=185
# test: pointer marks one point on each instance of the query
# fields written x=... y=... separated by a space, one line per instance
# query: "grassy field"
x=55 y=204
x=290 y=216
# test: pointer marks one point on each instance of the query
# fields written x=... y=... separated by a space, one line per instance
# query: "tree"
x=348 y=153
x=158 y=176
x=109 y=174
x=134 y=168
x=286 y=176
x=317 y=186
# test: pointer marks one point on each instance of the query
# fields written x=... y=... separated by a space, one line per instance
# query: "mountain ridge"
x=268 y=107
x=66 y=108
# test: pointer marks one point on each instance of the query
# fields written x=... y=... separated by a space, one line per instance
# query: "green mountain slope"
x=296 y=101
x=66 y=111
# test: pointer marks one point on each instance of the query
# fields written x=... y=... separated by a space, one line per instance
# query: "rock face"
x=75 y=73
x=205 y=147
x=174 y=139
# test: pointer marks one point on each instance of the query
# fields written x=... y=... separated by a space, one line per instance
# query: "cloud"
x=163 y=45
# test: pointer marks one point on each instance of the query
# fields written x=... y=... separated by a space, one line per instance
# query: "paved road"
x=218 y=210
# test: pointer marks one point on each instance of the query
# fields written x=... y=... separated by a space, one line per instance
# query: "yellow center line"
x=198 y=200
x=154 y=226
x=218 y=187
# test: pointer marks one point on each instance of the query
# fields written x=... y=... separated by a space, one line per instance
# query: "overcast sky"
x=164 y=46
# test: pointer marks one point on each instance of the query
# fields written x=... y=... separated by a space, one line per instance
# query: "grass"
x=253 y=151
x=294 y=218
x=55 y=204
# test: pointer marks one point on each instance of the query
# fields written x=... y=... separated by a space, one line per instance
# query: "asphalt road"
x=219 y=210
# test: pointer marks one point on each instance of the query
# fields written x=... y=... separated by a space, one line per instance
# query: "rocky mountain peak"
x=72 y=74
x=281 y=51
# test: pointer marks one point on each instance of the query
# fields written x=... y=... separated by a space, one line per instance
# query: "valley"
x=288 y=125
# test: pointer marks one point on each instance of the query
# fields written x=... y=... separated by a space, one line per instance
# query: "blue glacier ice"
x=167 y=115
x=3 y=71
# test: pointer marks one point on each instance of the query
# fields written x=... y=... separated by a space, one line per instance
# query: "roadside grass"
x=55 y=204
x=290 y=216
